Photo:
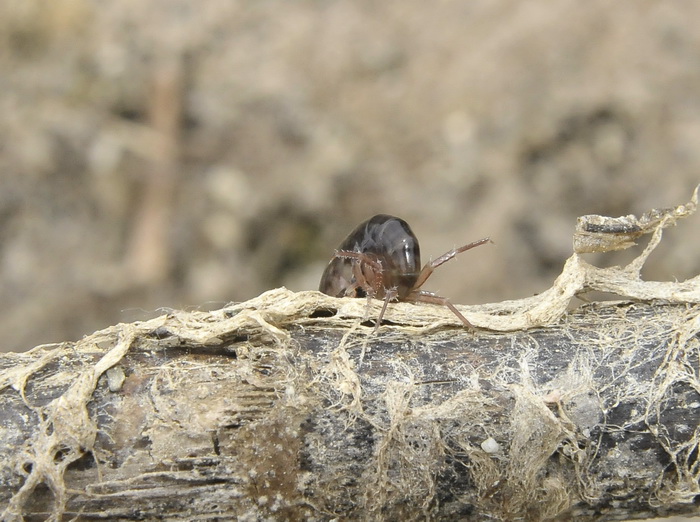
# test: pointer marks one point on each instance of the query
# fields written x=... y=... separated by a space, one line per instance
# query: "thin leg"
x=427 y=270
x=428 y=297
x=369 y=280
x=368 y=276
x=390 y=294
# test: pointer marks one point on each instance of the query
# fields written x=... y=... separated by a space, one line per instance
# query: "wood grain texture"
x=289 y=407
x=595 y=417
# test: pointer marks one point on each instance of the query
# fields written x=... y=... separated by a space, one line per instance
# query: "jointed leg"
x=366 y=269
x=427 y=270
x=391 y=293
x=429 y=297
x=368 y=276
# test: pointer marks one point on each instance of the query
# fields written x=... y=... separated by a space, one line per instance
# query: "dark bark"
x=265 y=414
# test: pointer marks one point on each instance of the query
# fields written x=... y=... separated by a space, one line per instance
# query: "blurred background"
x=173 y=154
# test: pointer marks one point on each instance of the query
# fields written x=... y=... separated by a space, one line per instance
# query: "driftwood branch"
x=287 y=407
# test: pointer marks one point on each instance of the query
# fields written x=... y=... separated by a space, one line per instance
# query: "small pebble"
x=490 y=446
x=115 y=378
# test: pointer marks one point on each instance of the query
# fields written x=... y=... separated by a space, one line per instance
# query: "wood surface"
x=289 y=407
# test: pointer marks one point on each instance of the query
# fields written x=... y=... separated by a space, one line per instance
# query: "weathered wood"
x=594 y=416
x=287 y=407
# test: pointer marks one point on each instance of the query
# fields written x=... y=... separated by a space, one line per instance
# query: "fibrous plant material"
x=288 y=407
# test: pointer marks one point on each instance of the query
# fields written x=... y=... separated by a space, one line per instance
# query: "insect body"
x=381 y=259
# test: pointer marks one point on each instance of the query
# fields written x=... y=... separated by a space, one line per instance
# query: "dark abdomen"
x=387 y=239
